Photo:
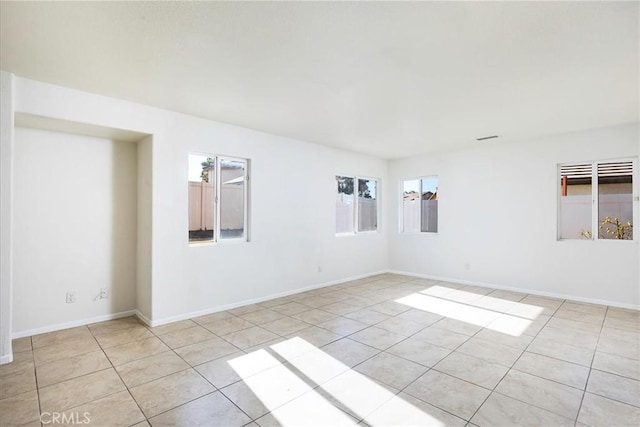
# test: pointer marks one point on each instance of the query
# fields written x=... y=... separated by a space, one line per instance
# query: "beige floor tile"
x=501 y=410
x=21 y=361
x=599 y=411
x=627 y=325
x=405 y=410
x=21 y=344
x=490 y=351
x=377 y=338
x=341 y=308
x=290 y=308
x=623 y=314
x=71 y=367
x=229 y=369
x=169 y=392
x=472 y=369
x=448 y=393
x=458 y=326
x=239 y=311
x=314 y=316
x=19 y=409
x=617 y=365
x=151 y=368
x=266 y=391
x=211 y=410
x=196 y=354
x=557 y=398
x=349 y=352
x=400 y=326
x=123 y=336
x=572 y=325
x=251 y=337
x=390 y=308
x=261 y=317
x=315 y=336
x=185 y=337
x=126 y=353
x=562 y=351
x=17 y=383
x=391 y=370
x=519 y=342
x=576 y=338
x=285 y=326
x=419 y=316
x=114 y=325
x=228 y=325
x=172 y=327
x=367 y=316
x=552 y=369
x=77 y=391
x=118 y=409
x=316 y=301
x=60 y=337
x=343 y=326
x=579 y=316
x=419 y=351
x=622 y=389
x=213 y=317
x=65 y=349
x=620 y=347
x=441 y=337
x=144 y=423
x=584 y=307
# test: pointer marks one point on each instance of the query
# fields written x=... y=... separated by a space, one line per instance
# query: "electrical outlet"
x=104 y=293
x=71 y=297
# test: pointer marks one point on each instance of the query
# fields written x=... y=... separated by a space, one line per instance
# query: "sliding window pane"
x=411 y=206
x=201 y=196
x=429 y=201
x=615 y=200
x=344 y=205
x=232 y=198
x=575 y=201
x=367 y=205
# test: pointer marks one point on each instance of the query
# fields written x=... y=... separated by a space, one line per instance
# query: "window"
x=217 y=198
x=420 y=205
x=596 y=200
x=359 y=214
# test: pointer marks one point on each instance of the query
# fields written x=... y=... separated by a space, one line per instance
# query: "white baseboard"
x=72 y=324
x=192 y=314
x=521 y=290
x=6 y=359
x=143 y=318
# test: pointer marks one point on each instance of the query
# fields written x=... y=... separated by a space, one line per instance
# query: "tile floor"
x=386 y=350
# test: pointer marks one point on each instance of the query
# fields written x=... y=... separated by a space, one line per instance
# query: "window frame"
x=401 y=205
x=218 y=158
x=595 y=199
x=356 y=205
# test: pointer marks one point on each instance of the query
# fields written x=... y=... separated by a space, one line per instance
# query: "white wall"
x=75 y=201
x=7 y=92
x=498 y=213
x=288 y=247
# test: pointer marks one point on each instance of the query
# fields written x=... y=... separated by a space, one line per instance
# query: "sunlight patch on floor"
x=281 y=389
x=501 y=318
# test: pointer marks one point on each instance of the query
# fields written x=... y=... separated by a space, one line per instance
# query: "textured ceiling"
x=389 y=79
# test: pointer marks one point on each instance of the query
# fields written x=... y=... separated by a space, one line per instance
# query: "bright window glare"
x=498 y=317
